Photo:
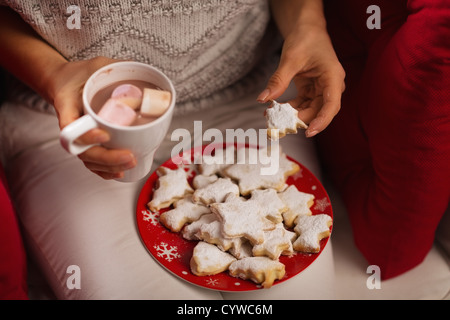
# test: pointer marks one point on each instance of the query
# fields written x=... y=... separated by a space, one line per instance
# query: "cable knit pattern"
x=205 y=46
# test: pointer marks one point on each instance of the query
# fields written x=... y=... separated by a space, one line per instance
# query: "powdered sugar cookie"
x=310 y=230
x=185 y=211
x=262 y=270
x=207 y=259
x=171 y=186
x=244 y=251
x=212 y=233
x=297 y=202
x=214 y=164
x=189 y=232
x=202 y=180
x=281 y=119
x=249 y=176
x=271 y=206
x=215 y=192
x=276 y=242
x=242 y=218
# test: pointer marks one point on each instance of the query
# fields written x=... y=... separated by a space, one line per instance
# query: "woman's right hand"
x=27 y=56
x=65 y=88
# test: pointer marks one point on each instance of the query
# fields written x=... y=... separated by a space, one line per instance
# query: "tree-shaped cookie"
x=261 y=270
x=207 y=259
x=310 y=230
x=184 y=211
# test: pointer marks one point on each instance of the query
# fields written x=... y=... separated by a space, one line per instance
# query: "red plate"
x=173 y=252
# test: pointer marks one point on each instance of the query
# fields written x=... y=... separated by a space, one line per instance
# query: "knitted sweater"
x=213 y=50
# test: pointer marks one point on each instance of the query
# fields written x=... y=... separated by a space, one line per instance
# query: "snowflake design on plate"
x=212 y=282
x=150 y=216
x=321 y=204
x=167 y=252
x=297 y=175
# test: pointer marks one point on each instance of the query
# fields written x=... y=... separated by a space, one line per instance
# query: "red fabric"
x=13 y=284
x=388 y=150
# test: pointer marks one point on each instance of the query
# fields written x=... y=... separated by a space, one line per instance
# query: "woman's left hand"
x=309 y=60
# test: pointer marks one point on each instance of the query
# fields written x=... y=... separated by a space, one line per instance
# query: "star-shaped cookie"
x=281 y=119
x=271 y=205
x=249 y=176
x=241 y=218
x=215 y=192
x=171 y=186
x=276 y=242
x=297 y=202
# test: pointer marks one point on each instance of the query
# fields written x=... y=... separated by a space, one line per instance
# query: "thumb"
x=277 y=84
x=68 y=108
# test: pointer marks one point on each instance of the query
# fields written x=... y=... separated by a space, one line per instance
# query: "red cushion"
x=388 y=150
x=13 y=284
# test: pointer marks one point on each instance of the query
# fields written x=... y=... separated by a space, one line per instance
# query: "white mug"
x=141 y=140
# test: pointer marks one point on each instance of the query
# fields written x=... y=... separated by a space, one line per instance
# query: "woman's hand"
x=66 y=86
x=32 y=60
x=309 y=61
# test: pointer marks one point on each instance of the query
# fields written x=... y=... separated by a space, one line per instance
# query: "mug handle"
x=73 y=131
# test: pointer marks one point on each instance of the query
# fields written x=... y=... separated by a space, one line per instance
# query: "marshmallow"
x=155 y=102
x=117 y=112
x=128 y=94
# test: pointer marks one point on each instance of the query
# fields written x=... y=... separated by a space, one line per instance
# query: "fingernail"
x=263 y=95
x=311 y=133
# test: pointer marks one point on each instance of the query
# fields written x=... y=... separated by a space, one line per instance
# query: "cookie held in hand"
x=281 y=119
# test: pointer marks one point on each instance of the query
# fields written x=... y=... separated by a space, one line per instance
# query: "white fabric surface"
x=430 y=280
x=72 y=217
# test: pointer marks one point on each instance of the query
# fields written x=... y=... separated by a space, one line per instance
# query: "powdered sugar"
x=311 y=229
x=282 y=118
x=172 y=186
x=207 y=259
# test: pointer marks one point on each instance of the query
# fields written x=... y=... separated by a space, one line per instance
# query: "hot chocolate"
x=104 y=95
